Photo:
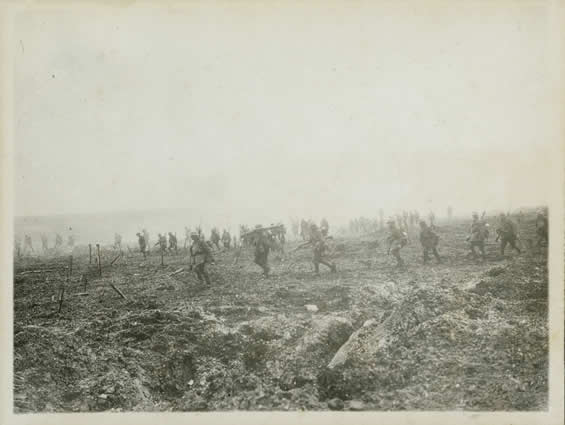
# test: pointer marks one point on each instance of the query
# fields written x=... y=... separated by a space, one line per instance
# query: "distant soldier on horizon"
x=18 y=246
x=118 y=241
x=295 y=227
x=226 y=239
x=71 y=241
x=186 y=237
x=215 y=237
x=396 y=241
x=478 y=235
x=399 y=221
x=432 y=219
x=28 y=244
x=303 y=229
x=58 y=241
x=44 y=243
x=200 y=255
x=429 y=240
x=142 y=244
x=162 y=242
x=405 y=217
x=324 y=227
x=146 y=237
x=542 y=229
x=412 y=218
x=507 y=234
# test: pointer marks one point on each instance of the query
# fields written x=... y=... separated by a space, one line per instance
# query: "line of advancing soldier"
x=506 y=232
x=28 y=244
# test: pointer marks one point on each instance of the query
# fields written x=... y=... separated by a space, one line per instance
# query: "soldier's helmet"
x=423 y=223
x=258 y=226
x=475 y=215
x=194 y=235
x=391 y=222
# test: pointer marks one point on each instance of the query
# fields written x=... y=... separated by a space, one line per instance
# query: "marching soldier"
x=146 y=237
x=541 y=228
x=506 y=232
x=226 y=239
x=396 y=241
x=319 y=249
x=173 y=246
x=162 y=242
x=478 y=235
x=142 y=245
x=186 y=237
x=262 y=246
x=429 y=240
x=200 y=255
x=215 y=238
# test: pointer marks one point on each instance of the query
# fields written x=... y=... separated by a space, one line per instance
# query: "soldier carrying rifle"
x=507 y=234
x=319 y=249
x=263 y=243
x=200 y=255
x=541 y=228
x=396 y=240
x=478 y=235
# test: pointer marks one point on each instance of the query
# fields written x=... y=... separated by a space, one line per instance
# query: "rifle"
x=302 y=245
x=262 y=229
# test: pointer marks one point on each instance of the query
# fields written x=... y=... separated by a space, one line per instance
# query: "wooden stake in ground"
x=89 y=253
x=61 y=299
x=62 y=292
x=70 y=266
x=116 y=259
x=176 y=272
x=99 y=262
x=118 y=291
x=162 y=261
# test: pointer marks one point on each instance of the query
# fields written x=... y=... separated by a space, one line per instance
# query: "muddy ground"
x=464 y=334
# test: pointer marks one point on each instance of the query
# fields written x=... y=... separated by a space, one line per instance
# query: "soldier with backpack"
x=396 y=240
x=478 y=235
x=429 y=240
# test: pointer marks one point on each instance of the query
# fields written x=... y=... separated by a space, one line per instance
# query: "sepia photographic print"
x=260 y=212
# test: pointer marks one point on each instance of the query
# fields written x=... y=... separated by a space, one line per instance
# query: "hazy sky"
x=263 y=112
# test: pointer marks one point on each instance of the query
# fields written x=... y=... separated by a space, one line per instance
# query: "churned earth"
x=464 y=334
